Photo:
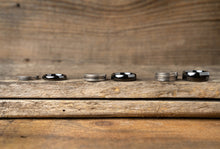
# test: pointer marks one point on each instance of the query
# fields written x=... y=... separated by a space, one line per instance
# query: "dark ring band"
x=54 y=77
x=123 y=76
x=196 y=75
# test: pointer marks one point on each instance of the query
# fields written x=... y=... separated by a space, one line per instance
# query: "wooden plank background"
x=142 y=32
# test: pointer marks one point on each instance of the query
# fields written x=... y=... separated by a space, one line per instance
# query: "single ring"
x=196 y=75
x=54 y=77
x=166 y=76
x=91 y=77
x=27 y=78
x=123 y=76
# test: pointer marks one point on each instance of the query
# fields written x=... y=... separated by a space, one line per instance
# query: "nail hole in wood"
x=104 y=123
x=26 y=59
x=58 y=61
x=18 y=5
x=64 y=110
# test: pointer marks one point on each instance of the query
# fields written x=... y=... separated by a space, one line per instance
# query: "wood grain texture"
x=145 y=87
x=145 y=32
x=75 y=87
x=107 y=108
x=108 y=89
x=110 y=133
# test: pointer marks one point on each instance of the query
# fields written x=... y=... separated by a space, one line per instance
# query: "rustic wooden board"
x=110 y=133
x=145 y=87
x=75 y=87
x=111 y=32
x=100 y=97
x=107 y=108
x=108 y=89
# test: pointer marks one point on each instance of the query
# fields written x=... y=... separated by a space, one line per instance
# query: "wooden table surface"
x=78 y=98
x=110 y=133
x=76 y=87
x=35 y=99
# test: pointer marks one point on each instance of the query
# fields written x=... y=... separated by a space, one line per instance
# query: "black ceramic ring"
x=123 y=76
x=196 y=75
x=54 y=77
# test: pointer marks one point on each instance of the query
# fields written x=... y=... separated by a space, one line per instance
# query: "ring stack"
x=123 y=76
x=90 y=77
x=196 y=75
x=166 y=76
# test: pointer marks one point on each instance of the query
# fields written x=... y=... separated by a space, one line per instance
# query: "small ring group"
x=192 y=75
x=118 y=76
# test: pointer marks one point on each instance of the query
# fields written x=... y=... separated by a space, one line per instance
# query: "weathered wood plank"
x=108 y=89
x=110 y=133
x=111 y=32
x=107 y=108
x=75 y=87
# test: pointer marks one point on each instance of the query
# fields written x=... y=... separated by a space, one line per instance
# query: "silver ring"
x=93 y=77
x=166 y=76
x=27 y=78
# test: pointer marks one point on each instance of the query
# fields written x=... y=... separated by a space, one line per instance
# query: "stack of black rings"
x=196 y=75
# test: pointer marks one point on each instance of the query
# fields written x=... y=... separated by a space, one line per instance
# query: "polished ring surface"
x=166 y=76
x=93 y=77
x=196 y=75
x=123 y=76
x=54 y=77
